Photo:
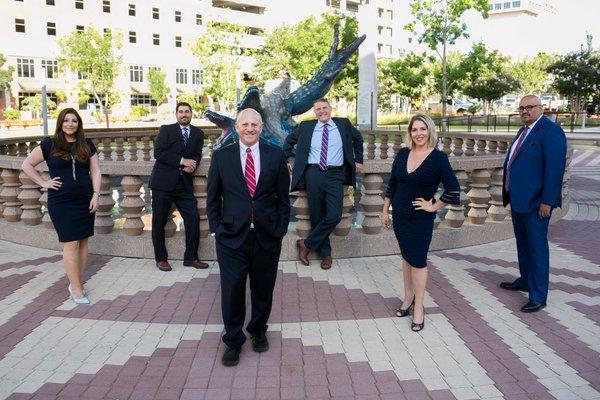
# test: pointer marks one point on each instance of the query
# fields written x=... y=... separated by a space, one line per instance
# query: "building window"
x=516 y=4
x=177 y=41
x=379 y=48
x=107 y=31
x=177 y=16
x=132 y=37
x=498 y=6
x=155 y=13
x=136 y=73
x=51 y=68
x=196 y=77
x=25 y=68
x=132 y=10
x=157 y=69
x=50 y=2
x=507 y=4
x=390 y=14
x=380 y=12
x=379 y=30
x=181 y=76
x=106 y=6
x=51 y=28
x=142 y=100
x=79 y=4
x=390 y=32
x=80 y=28
x=19 y=25
x=388 y=47
x=198 y=19
x=156 y=39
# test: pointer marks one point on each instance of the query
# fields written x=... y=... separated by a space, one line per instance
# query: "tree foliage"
x=532 y=73
x=5 y=74
x=301 y=49
x=455 y=75
x=577 y=75
x=486 y=75
x=158 y=85
x=406 y=77
x=96 y=58
x=440 y=23
x=219 y=51
x=34 y=103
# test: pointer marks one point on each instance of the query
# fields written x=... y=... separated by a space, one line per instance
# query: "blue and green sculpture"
x=279 y=106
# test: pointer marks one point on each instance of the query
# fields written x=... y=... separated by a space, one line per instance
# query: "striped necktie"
x=186 y=135
x=324 y=146
x=249 y=174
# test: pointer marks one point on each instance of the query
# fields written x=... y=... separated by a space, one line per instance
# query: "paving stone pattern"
x=333 y=334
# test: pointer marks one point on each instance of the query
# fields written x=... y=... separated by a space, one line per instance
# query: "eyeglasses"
x=528 y=108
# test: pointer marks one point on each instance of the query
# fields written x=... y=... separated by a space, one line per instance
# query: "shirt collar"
x=184 y=126
x=533 y=123
x=321 y=124
x=254 y=147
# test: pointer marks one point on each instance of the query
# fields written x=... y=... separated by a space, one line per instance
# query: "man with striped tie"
x=533 y=174
x=329 y=153
x=248 y=209
x=177 y=150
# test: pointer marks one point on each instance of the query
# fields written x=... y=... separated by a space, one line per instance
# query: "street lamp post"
x=44 y=103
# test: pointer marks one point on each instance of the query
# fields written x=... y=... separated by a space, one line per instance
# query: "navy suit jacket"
x=169 y=149
x=229 y=206
x=537 y=170
x=352 y=143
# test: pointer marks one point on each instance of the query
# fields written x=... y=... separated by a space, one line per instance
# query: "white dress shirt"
x=512 y=147
x=335 y=147
x=255 y=155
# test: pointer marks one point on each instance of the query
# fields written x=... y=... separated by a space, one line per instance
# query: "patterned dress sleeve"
x=90 y=144
x=451 y=193
x=393 y=182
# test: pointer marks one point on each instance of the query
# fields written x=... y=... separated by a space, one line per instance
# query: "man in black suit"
x=248 y=209
x=177 y=150
x=329 y=152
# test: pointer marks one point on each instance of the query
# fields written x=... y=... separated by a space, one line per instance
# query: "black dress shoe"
x=533 y=306
x=231 y=356
x=513 y=286
x=401 y=312
x=260 y=343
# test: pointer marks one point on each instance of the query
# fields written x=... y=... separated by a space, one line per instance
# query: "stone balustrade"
x=122 y=225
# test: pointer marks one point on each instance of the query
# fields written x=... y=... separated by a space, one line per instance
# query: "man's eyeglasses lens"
x=528 y=108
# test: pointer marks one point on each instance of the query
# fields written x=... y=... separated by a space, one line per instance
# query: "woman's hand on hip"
x=425 y=205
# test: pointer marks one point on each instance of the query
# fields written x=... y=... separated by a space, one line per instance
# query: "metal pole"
x=44 y=103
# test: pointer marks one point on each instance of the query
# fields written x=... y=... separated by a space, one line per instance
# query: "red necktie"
x=515 y=152
x=249 y=173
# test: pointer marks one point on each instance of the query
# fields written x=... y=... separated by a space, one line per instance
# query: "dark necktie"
x=324 y=146
x=186 y=135
x=249 y=173
x=515 y=152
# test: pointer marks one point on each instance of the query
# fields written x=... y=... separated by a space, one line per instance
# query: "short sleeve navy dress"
x=414 y=228
x=69 y=205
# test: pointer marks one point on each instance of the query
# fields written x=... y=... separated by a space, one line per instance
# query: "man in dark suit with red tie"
x=533 y=174
x=329 y=154
x=177 y=150
x=248 y=208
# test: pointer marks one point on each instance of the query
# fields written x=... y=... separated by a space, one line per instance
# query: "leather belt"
x=329 y=167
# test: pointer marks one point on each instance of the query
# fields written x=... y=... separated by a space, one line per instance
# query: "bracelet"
x=98 y=193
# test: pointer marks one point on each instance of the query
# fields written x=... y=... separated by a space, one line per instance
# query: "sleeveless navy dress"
x=414 y=228
x=69 y=205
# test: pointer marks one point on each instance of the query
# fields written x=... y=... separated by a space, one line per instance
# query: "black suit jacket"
x=301 y=137
x=169 y=149
x=229 y=206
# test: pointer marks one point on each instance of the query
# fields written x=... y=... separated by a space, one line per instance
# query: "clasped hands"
x=189 y=165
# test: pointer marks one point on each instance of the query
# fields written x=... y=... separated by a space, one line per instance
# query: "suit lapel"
x=239 y=172
x=264 y=157
x=529 y=136
x=311 y=130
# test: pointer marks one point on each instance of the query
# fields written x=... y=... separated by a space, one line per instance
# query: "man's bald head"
x=530 y=109
x=249 y=113
x=248 y=125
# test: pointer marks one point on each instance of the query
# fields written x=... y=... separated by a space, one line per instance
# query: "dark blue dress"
x=414 y=228
x=69 y=205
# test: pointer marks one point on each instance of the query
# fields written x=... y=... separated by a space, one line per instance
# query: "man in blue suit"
x=533 y=174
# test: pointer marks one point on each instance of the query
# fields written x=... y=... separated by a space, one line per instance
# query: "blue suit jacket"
x=537 y=170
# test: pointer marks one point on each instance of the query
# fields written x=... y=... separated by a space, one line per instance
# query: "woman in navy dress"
x=73 y=190
x=417 y=172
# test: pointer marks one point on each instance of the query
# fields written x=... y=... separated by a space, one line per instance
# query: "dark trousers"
x=161 y=209
x=325 y=192
x=531 y=233
x=250 y=259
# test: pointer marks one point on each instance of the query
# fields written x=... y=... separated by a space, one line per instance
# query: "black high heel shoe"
x=418 y=327
x=404 y=312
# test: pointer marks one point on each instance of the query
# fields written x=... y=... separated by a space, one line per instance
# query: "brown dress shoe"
x=196 y=264
x=326 y=262
x=163 y=265
x=303 y=252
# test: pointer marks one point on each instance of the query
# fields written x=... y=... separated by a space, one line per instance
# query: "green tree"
x=193 y=100
x=532 y=73
x=441 y=25
x=96 y=58
x=301 y=49
x=577 y=75
x=486 y=75
x=406 y=77
x=455 y=75
x=34 y=104
x=157 y=85
x=5 y=75
x=219 y=51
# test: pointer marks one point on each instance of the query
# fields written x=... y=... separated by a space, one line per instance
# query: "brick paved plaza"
x=155 y=335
